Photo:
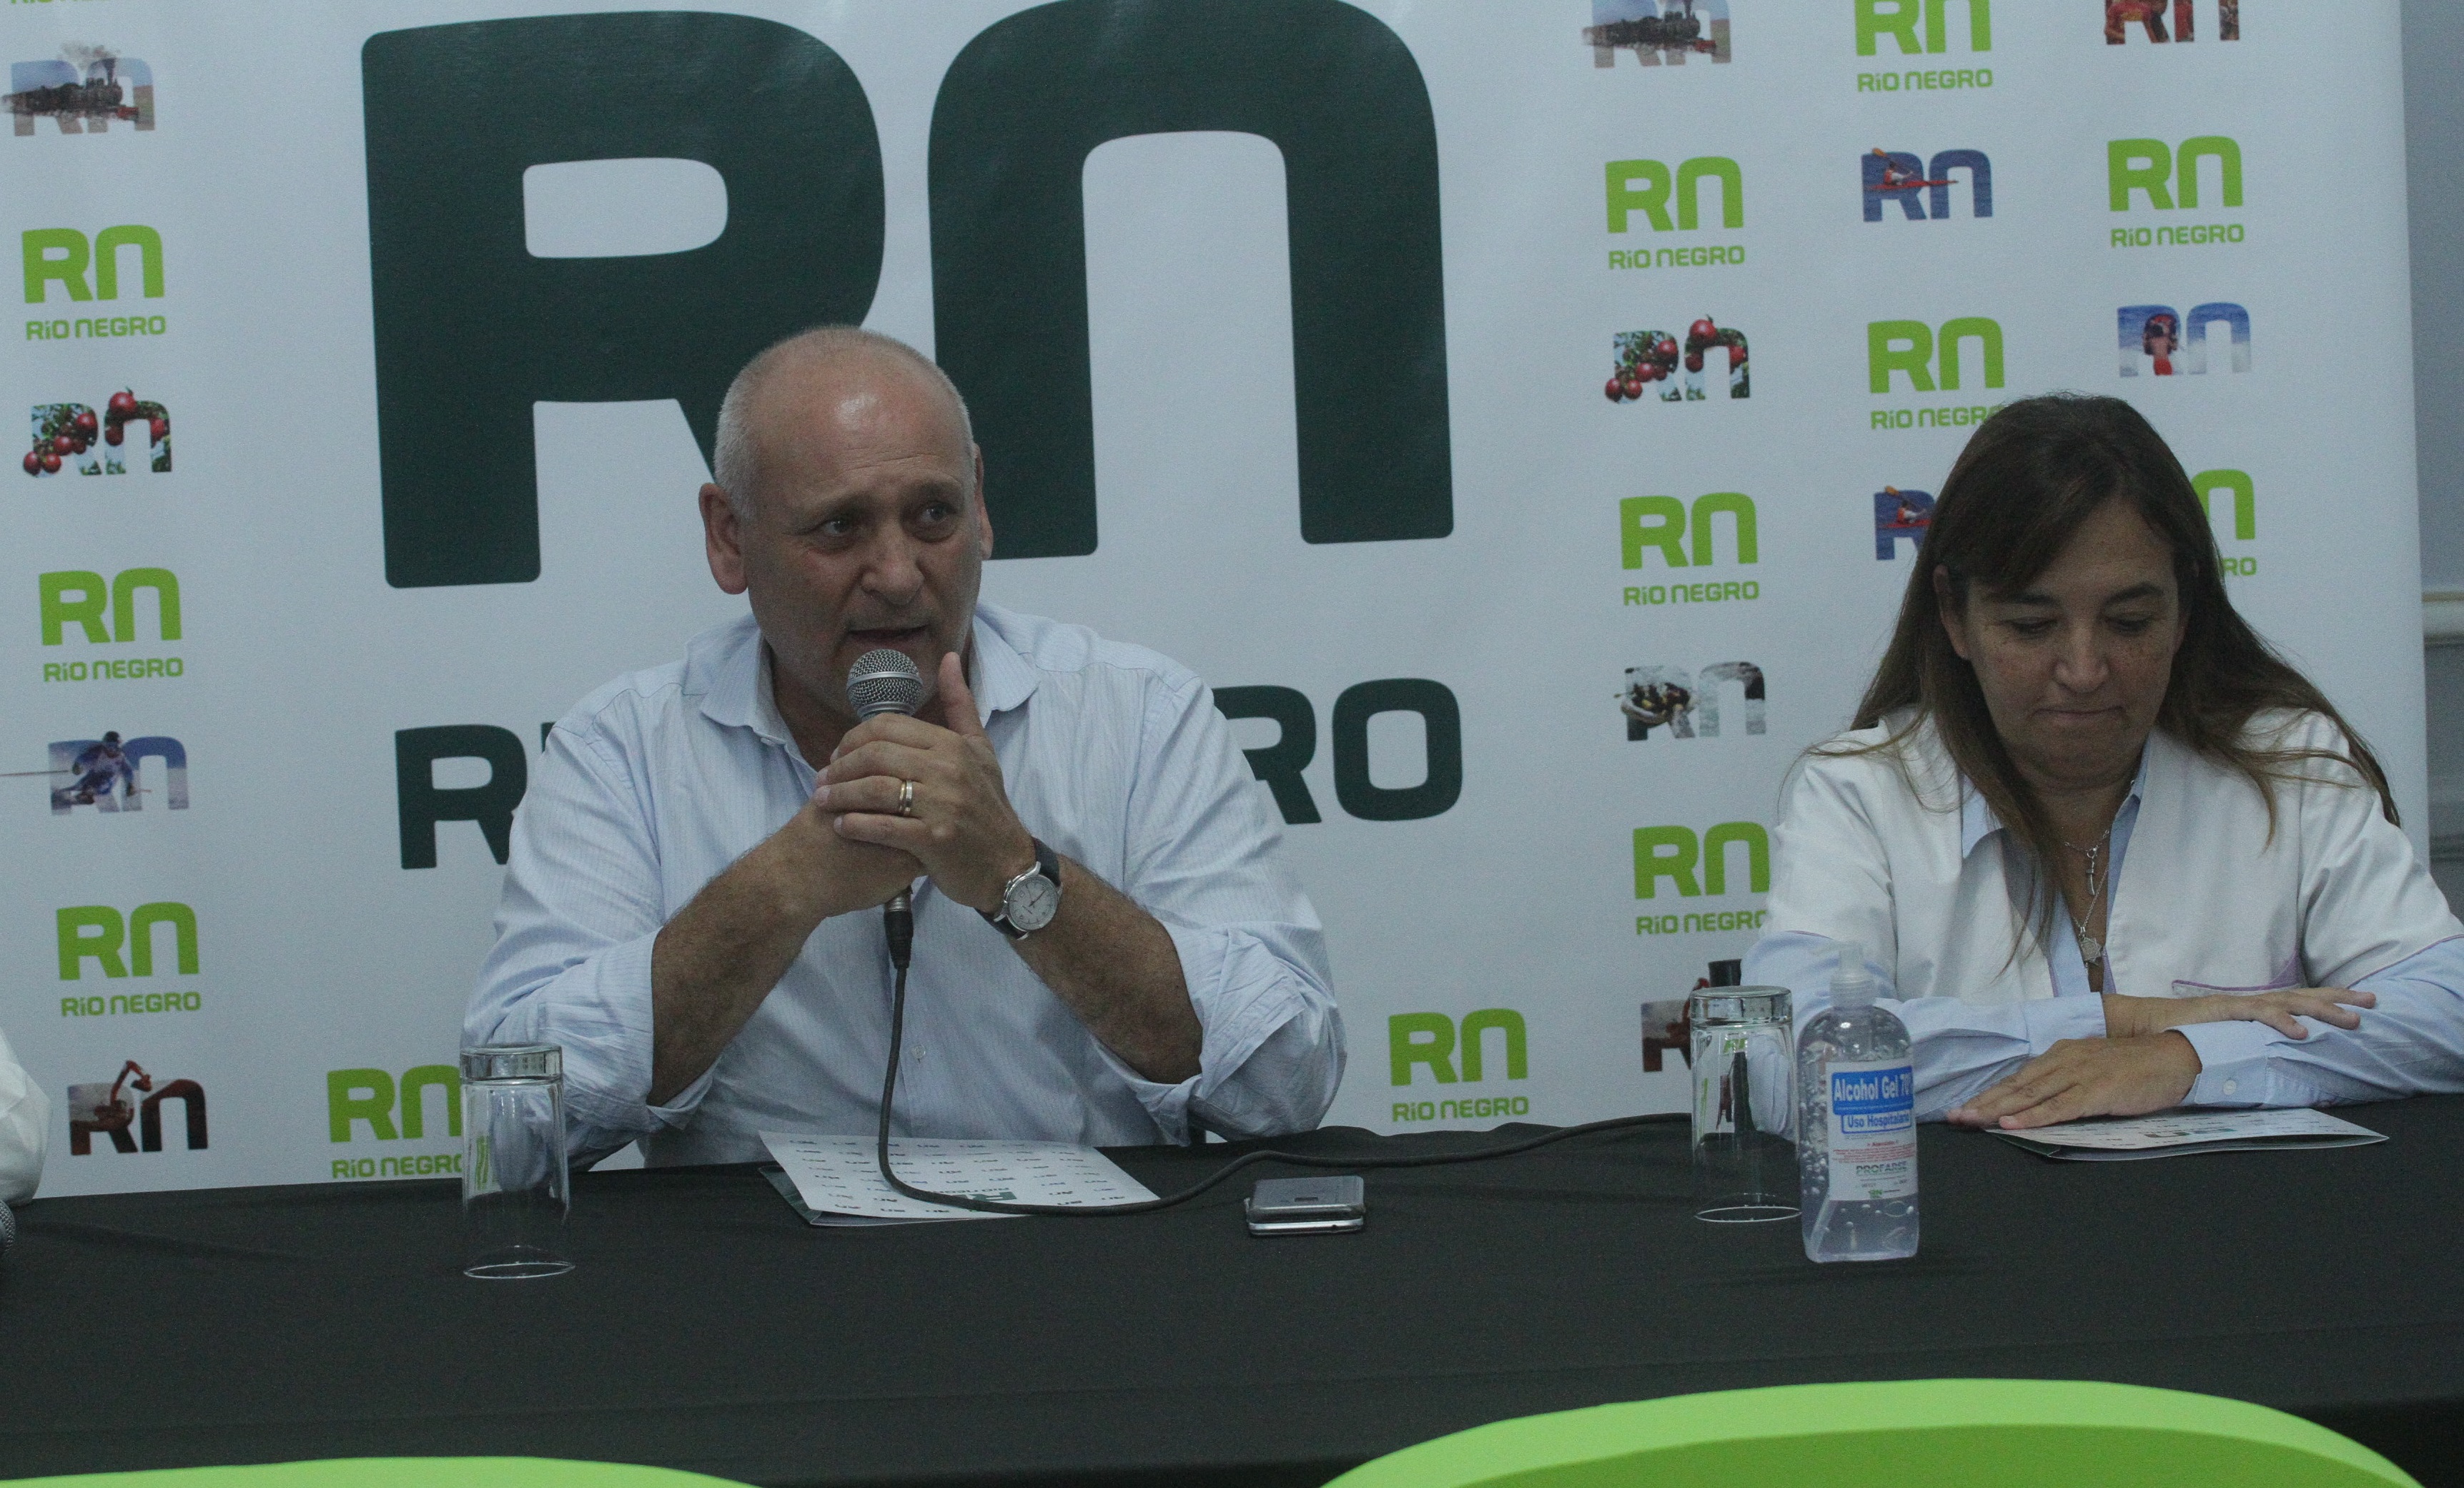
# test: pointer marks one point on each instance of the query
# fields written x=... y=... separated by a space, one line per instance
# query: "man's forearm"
x=1117 y=967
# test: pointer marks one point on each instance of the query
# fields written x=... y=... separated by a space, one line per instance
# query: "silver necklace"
x=2090 y=950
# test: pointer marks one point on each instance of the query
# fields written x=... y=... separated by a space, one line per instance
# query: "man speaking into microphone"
x=1109 y=947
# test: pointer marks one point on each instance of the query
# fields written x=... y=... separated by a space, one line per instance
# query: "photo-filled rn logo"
x=86 y=90
x=73 y=436
x=1432 y=1041
x=104 y=773
x=2120 y=16
x=2154 y=336
x=1647 y=359
x=102 y=1108
x=124 y=945
x=1915 y=185
x=1688 y=706
x=1659 y=33
x=1900 y=515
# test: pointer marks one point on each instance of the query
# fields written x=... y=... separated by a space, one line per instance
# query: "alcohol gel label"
x=1873 y=1131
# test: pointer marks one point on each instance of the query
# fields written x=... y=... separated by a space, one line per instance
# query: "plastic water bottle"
x=1856 y=1132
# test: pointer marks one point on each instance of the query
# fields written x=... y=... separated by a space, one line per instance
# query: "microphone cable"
x=898 y=926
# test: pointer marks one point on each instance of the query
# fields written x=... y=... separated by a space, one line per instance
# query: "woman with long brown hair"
x=2069 y=684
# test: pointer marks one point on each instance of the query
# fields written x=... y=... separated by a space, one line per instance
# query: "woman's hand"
x=2137 y=1017
x=2088 y=1077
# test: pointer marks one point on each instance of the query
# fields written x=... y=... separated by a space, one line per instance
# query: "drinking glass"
x=1744 y=1065
x=515 y=1186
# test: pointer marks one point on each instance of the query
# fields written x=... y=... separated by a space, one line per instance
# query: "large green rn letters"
x=1332 y=87
x=471 y=330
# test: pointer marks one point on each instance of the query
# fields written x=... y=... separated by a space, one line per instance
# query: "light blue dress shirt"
x=1113 y=755
x=1963 y=1048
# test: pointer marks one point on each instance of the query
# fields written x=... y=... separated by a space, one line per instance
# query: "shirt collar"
x=727 y=666
x=1977 y=820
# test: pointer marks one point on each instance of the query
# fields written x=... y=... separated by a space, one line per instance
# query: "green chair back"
x=1917 y=1433
x=394 y=1472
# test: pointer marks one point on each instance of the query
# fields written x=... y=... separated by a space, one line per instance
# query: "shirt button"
x=2232 y=1085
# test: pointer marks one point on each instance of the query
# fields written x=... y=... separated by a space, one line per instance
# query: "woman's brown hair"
x=2031 y=477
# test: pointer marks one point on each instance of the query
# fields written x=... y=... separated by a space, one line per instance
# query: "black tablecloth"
x=708 y=1328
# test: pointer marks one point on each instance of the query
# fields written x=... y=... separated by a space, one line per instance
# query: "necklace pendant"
x=2090 y=951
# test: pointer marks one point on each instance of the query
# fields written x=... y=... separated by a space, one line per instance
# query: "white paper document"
x=837 y=1179
x=2177 y=1133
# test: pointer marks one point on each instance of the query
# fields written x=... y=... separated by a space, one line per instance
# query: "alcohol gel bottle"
x=1856 y=1132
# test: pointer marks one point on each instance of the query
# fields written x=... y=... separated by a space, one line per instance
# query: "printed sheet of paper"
x=836 y=1176
x=2177 y=1133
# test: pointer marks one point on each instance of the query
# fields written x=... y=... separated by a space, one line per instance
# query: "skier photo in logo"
x=85 y=91
x=69 y=434
x=2119 y=15
x=2155 y=335
x=99 y=1108
x=1900 y=514
x=1647 y=357
x=103 y=772
x=1657 y=31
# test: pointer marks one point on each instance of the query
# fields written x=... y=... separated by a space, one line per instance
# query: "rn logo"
x=1659 y=523
x=66 y=433
x=472 y=329
x=1644 y=358
x=1900 y=514
x=86 y=90
x=1899 y=176
x=1657 y=31
x=63 y=255
x=2151 y=335
x=99 y=1108
x=374 y=1097
x=1910 y=347
x=1900 y=19
x=420 y=803
x=77 y=597
x=1674 y=854
x=1655 y=696
x=2119 y=15
x=2169 y=178
x=1644 y=185
x=2238 y=485
x=99 y=933
x=1279 y=765
x=102 y=774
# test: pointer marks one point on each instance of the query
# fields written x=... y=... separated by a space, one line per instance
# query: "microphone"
x=881 y=681
x=8 y=1228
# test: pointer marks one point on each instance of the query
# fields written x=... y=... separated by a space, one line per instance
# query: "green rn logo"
x=1915 y=350
x=1675 y=852
x=1643 y=186
x=1413 y=1040
x=63 y=255
x=1659 y=523
x=1900 y=19
x=2169 y=178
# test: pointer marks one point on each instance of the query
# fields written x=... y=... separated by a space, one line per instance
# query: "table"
x=707 y=1329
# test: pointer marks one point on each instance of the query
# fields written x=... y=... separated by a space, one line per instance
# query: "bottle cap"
x=1852 y=985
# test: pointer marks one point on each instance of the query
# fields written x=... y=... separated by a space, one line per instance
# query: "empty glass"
x=514 y=1188
x=1744 y=1065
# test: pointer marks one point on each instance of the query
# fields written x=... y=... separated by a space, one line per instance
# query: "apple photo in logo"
x=73 y=436
x=1651 y=359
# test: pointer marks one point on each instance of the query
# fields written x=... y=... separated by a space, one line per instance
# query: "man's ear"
x=722 y=537
x=984 y=515
x=1953 y=623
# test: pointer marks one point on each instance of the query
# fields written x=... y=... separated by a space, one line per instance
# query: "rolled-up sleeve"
x=580 y=910
x=1205 y=858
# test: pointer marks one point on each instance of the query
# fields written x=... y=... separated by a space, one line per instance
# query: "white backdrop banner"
x=1524 y=415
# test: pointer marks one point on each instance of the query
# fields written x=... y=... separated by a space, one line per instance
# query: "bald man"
x=1108 y=946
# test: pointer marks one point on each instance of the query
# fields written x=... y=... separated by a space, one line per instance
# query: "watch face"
x=1032 y=902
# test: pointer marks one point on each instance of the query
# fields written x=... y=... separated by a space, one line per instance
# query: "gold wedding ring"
x=906 y=798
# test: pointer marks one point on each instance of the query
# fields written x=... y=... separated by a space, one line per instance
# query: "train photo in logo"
x=103 y=774
x=74 y=437
x=1900 y=176
x=1900 y=514
x=101 y=1108
x=2156 y=335
x=1644 y=358
x=86 y=90
x=1659 y=33
x=1655 y=696
x=2120 y=16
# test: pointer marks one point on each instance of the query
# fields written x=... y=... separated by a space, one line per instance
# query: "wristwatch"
x=1029 y=900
